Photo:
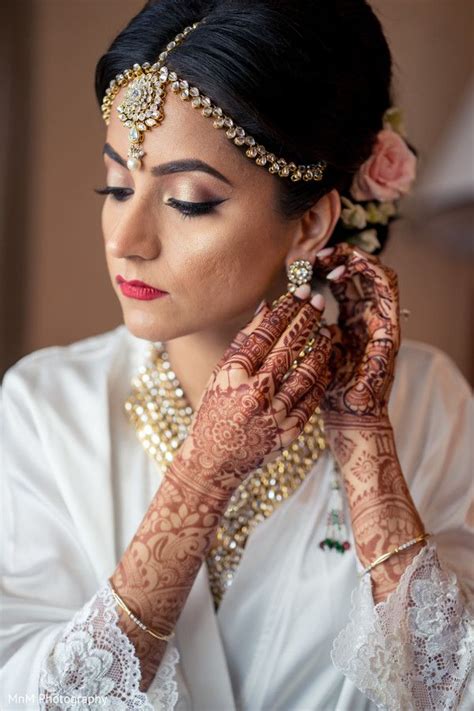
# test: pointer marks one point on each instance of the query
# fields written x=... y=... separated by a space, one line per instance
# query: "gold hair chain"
x=143 y=108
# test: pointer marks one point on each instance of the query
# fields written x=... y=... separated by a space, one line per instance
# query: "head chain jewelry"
x=142 y=109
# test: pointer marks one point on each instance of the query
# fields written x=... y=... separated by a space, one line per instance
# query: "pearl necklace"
x=158 y=409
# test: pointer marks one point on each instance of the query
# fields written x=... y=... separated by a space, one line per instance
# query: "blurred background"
x=54 y=286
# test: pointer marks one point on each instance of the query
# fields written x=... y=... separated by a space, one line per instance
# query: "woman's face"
x=217 y=265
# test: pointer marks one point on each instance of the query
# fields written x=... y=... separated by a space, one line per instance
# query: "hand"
x=365 y=340
x=252 y=407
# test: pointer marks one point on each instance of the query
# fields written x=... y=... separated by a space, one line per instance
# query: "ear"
x=315 y=228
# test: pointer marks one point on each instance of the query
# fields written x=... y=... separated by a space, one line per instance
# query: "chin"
x=150 y=328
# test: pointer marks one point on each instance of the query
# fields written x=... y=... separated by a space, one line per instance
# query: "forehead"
x=183 y=133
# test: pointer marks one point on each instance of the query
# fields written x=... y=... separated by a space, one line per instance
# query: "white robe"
x=76 y=483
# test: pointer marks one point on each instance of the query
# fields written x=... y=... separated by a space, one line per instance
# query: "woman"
x=207 y=564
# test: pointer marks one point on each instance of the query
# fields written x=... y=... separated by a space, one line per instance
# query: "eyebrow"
x=176 y=166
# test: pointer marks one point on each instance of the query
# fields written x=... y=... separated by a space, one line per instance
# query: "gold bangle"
x=162 y=637
x=403 y=547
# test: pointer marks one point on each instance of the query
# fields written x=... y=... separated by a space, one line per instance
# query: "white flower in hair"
x=353 y=215
x=367 y=240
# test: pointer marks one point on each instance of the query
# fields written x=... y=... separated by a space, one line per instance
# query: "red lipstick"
x=136 y=289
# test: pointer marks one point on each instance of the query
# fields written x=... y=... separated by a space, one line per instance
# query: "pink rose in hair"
x=388 y=173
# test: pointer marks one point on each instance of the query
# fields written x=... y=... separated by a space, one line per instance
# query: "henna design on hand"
x=311 y=376
x=279 y=360
x=157 y=570
x=248 y=412
x=366 y=340
x=241 y=336
x=245 y=417
x=262 y=340
x=344 y=447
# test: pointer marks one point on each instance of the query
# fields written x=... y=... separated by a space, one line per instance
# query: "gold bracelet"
x=163 y=637
x=403 y=547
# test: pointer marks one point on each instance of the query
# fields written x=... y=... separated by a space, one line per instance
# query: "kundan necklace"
x=158 y=408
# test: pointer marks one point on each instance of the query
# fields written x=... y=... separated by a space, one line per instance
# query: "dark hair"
x=309 y=79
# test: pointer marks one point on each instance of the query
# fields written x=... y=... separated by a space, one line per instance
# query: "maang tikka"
x=143 y=109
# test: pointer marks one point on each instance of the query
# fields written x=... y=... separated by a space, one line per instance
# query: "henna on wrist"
x=366 y=340
x=158 y=569
x=248 y=413
x=382 y=511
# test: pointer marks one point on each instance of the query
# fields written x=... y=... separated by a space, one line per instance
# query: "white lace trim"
x=94 y=664
x=163 y=691
x=414 y=651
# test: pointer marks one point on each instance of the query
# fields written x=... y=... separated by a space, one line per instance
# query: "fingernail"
x=303 y=291
x=337 y=272
x=325 y=252
x=260 y=307
x=317 y=300
x=325 y=332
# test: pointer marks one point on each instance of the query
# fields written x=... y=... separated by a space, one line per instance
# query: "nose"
x=133 y=233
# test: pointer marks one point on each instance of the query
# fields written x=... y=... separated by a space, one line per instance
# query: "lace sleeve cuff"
x=93 y=663
x=414 y=650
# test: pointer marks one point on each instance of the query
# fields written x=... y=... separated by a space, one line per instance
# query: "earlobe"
x=316 y=227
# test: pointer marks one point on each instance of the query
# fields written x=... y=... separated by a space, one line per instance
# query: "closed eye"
x=119 y=194
x=187 y=209
x=194 y=209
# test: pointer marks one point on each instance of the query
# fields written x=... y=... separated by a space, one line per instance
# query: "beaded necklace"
x=158 y=409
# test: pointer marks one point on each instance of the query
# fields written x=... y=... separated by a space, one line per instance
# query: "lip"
x=136 y=289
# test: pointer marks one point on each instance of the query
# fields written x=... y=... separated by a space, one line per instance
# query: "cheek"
x=232 y=268
x=107 y=223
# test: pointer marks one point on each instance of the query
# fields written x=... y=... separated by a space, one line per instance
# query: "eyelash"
x=187 y=209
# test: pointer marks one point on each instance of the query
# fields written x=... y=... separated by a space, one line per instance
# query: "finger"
x=376 y=283
x=304 y=409
x=332 y=257
x=348 y=295
x=375 y=275
x=377 y=334
x=374 y=377
x=261 y=340
x=241 y=336
x=335 y=263
x=380 y=306
x=292 y=341
x=347 y=292
x=308 y=374
x=337 y=358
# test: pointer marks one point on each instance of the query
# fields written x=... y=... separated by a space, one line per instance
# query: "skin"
x=216 y=269
x=366 y=341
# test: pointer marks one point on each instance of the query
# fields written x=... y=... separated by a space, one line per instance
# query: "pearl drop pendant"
x=134 y=164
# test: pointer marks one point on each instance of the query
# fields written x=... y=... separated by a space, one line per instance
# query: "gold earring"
x=299 y=272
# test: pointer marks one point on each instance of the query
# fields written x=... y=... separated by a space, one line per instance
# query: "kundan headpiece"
x=143 y=109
